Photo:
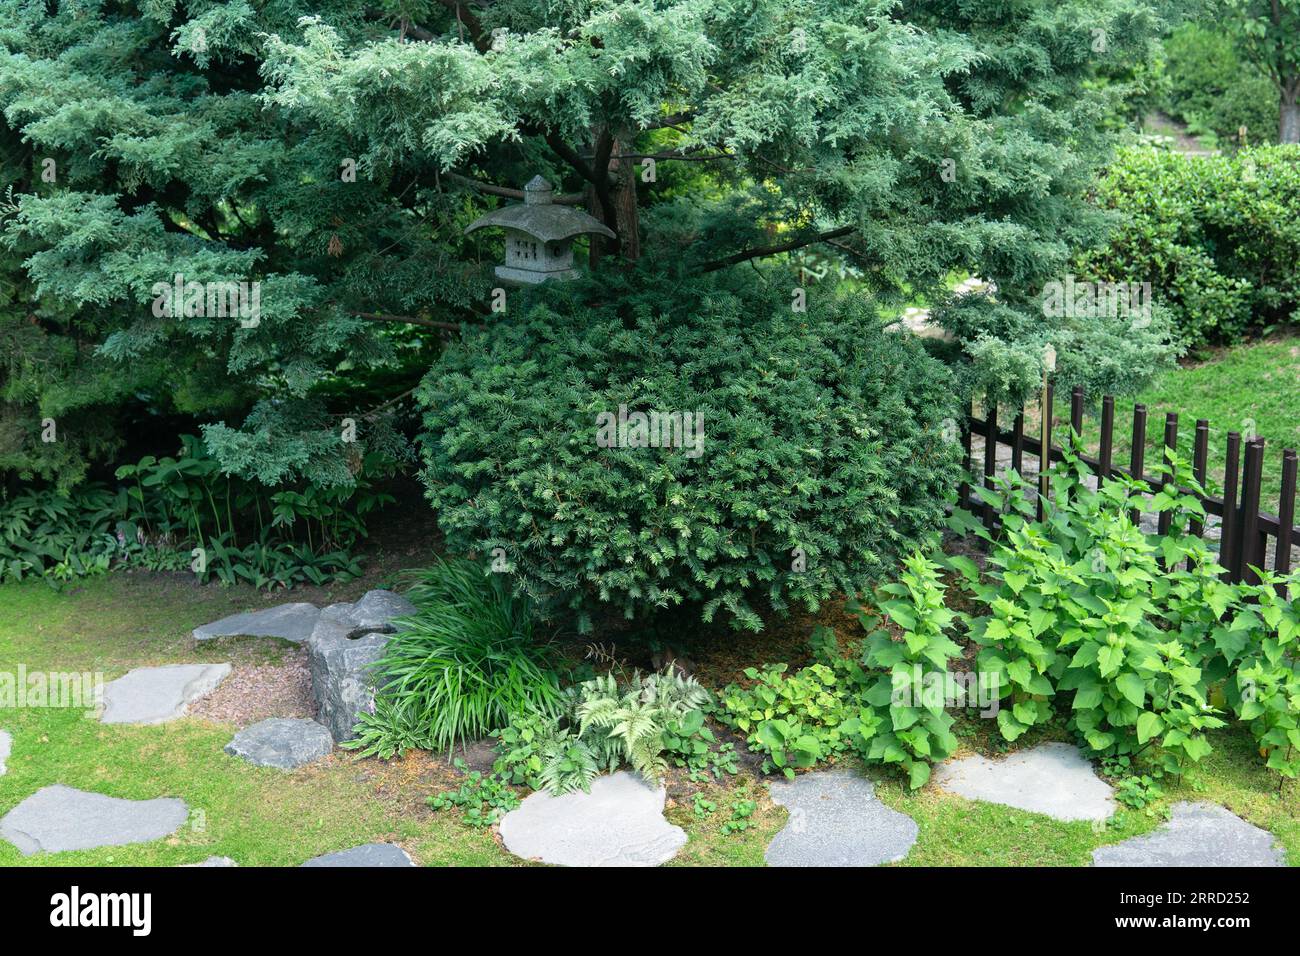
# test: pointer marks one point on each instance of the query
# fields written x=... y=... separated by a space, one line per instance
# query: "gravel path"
x=255 y=692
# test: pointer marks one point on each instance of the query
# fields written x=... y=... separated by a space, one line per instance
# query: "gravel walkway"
x=254 y=692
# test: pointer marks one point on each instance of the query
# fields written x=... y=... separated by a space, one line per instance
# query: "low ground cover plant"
x=184 y=513
x=1133 y=640
x=644 y=722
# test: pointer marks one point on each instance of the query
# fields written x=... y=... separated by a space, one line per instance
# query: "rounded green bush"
x=1218 y=237
x=828 y=446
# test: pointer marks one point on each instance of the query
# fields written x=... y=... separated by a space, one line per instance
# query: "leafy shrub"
x=1133 y=632
x=250 y=533
x=1218 y=237
x=823 y=438
x=884 y=708
x=602 y=726
x=800 y=720
x=460 y=666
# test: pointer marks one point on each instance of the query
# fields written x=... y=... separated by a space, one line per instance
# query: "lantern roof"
x=541 y=218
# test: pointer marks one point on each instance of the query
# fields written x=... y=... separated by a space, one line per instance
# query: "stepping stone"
x=153 y=695
x=6 y=747
x=291 y=622
x=836 y=820
x=1054 y=779
x=1197 y=834
x=212 y=861
x=345 y=641
x=619 y=823
x=59 y=818
x=369 y=854
x=284 y=742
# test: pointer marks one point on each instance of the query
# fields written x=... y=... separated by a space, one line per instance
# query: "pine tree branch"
x=763 y=251
x=566 y=199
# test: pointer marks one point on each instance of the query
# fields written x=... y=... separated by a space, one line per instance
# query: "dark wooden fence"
x=1249 y=532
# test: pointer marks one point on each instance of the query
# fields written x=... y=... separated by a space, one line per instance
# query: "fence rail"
x=1247 y=529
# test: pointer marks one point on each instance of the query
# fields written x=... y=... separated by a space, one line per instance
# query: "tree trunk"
x=1288 y=130
x=626 y=215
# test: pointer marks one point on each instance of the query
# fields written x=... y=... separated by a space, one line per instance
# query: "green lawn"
x=271 y=818
x=1252 y=387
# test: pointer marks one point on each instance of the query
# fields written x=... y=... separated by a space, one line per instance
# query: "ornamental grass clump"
x=460 y=666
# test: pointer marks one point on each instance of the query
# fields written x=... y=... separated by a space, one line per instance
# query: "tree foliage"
x=213 y=139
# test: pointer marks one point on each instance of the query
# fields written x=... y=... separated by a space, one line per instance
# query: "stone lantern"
x=539 y=235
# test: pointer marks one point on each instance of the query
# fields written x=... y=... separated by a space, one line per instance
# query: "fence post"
x=1171 y=445
x=1138 y=457
x=1248 y=543
x=1286 y=513
x=1045 y=452
x=963 y=493
x=1230 y=533
x=990 y=455
x=1200 y=462
x=1018 y=444
x=1105 y=450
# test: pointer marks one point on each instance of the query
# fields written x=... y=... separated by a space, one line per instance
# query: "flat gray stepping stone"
x=1054 y=779
x=212 y=861
x=292 y=622
x=1197 y=834
x=6 y=747
x=152 y=695
x=619 y=823
x=284 y=742
x=369 y=854
x=836 y=820
x=59 y=818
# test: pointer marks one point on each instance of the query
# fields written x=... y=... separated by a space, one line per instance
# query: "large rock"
x=346 y=640
x=284 y=742
x=1197 y=835
x=291 y=622
x=836 y=820
x=59 y=818
x=369 y=854
x=1053 y=779
x=619 y=823
x=153 y=695
x=6 y=746
x=210 y=863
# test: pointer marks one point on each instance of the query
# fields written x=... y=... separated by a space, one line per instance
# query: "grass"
x=266 y=817
x=1249 y=388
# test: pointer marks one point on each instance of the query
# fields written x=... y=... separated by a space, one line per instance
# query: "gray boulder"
x=59 y=818
x=284 y=742
x=290 y=622
x=369 y=854
x=211 y=862
x=346 y=640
